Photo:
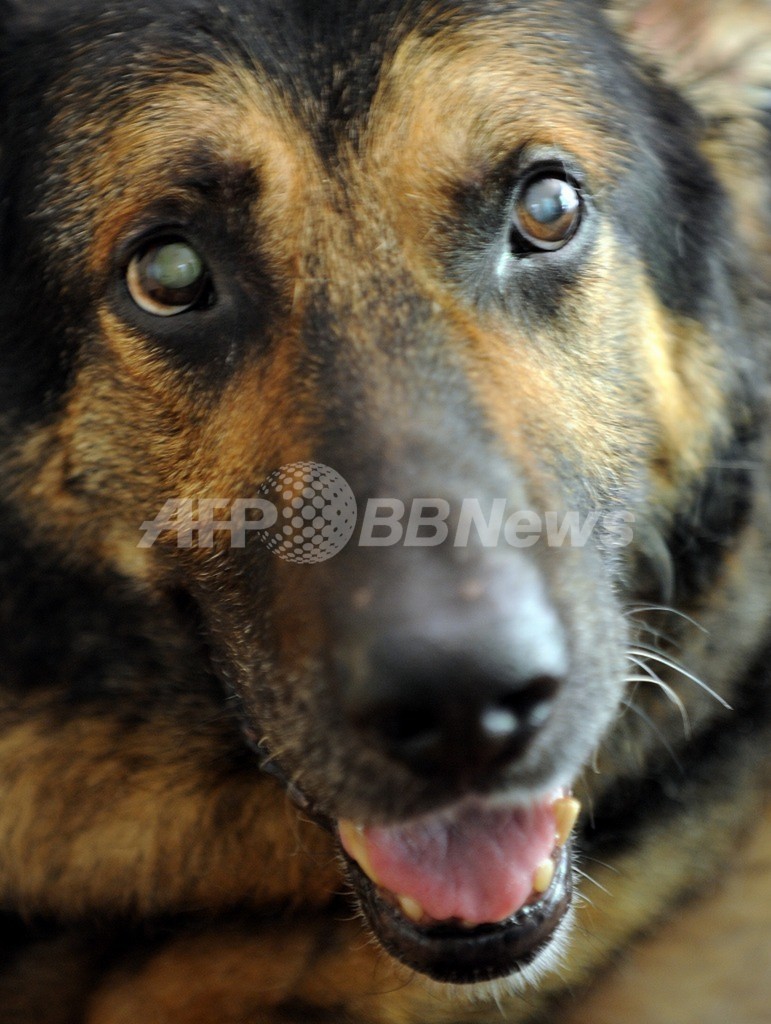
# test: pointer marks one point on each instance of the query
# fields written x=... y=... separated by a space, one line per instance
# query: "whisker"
x=603 y=864
x=659 y=634
x=657 y=681
x=652 y=654
x=653 y=727
x=594 y=881
x=645 y=667
x=640 y=609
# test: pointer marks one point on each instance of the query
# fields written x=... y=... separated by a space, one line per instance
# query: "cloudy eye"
x=547 y=213
x=168 y=277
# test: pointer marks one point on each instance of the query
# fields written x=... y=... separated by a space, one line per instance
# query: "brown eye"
x=547 y=213
x=167 y=278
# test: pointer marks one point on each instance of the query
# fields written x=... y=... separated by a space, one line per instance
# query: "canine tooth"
x=410 y=908
x=566 y=811
x=353 y=841
x=543 y=876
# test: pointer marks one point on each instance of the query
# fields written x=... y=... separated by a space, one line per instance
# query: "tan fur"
x=710 y=964
x=152 y=802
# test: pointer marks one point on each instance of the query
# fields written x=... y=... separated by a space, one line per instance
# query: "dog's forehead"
x=380 y=112
x=328 y=57
x=458 y=85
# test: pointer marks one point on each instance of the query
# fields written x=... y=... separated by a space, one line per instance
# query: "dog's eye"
x=547 y=213
x=168 y=277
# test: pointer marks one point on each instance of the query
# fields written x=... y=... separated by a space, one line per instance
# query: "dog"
x=385 y=538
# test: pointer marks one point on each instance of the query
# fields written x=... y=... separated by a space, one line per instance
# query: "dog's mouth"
x=470 y=895
x=464 y=896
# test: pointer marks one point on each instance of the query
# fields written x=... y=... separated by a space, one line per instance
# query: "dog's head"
x=474 y=262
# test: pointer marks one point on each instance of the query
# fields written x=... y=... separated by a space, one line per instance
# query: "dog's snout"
x=458 y=689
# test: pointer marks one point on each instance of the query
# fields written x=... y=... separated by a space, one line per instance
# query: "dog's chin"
x=454 y=953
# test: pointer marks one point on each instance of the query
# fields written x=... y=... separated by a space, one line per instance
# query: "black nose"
x=453 y=713
x=461 y=686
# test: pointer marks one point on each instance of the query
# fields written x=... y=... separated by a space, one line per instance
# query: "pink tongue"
x=477 y=865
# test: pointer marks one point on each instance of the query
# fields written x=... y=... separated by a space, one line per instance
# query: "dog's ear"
x=717 y=52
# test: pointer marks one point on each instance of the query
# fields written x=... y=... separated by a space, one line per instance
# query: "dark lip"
x=467 y=956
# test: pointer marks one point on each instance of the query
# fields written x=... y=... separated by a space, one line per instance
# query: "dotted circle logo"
x=316 y=512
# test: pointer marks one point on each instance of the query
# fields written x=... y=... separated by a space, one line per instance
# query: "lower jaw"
x=456 y=954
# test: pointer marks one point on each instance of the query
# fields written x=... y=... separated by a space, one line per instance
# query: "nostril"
x=528 y=706
x=506 y=725
x=457 y=724
x=407 y=725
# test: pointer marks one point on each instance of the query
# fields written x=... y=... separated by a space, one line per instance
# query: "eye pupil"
x=174 y=266
x=167 y=277
x=547 y=212
x=548 y=201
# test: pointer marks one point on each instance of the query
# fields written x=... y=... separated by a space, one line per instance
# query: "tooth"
x=566 y=811
x=411 y=908
x=353 y=840
x=543 y=876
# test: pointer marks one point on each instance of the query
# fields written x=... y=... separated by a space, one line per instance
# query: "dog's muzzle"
x=452 y=674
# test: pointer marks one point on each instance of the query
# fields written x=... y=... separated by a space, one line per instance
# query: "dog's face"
x=455 y=251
